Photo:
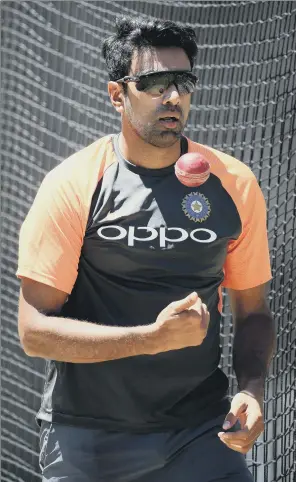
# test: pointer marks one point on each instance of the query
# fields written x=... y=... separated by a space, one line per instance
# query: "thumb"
x=182 y=305
x=237 y=407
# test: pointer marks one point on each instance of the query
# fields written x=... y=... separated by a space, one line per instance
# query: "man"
x=121 y=270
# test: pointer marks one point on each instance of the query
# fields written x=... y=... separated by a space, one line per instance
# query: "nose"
x=171 y=95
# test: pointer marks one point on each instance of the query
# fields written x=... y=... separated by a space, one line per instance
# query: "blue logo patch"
x=196 y=207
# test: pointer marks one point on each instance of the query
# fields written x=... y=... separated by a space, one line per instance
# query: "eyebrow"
x=145 y=72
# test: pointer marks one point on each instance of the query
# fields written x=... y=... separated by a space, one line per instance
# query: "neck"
x=140 y=153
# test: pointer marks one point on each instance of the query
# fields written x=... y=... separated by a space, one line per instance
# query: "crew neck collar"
x=145 y=171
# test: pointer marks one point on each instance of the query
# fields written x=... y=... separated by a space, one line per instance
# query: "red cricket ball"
x=192 y=169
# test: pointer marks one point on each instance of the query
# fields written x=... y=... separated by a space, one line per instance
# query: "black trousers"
x=75 y=454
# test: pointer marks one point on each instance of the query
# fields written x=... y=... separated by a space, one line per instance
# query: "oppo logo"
x=165 y=235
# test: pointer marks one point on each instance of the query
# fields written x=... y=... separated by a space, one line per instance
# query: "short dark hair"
x=137 y=34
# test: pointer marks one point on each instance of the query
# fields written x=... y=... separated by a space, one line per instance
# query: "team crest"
x=196 y=207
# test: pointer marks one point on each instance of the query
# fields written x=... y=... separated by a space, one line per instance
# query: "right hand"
x=182 y=323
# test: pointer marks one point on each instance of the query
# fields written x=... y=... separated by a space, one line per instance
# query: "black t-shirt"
x=139 y=240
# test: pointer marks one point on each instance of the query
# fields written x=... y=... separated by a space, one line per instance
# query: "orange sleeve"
x=52 y=234
x=248 y=262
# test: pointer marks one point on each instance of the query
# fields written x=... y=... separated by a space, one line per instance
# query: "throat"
x=148 y=156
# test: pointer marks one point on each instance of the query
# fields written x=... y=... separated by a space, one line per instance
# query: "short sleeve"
x=248 y=262
x=52 y=234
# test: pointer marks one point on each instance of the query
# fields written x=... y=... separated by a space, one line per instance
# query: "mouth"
x=170 y=122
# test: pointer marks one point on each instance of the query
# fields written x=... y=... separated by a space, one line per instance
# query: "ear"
x=116 y=95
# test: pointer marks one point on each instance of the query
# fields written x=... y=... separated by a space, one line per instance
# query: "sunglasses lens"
x=155 y=85
x=186 y=84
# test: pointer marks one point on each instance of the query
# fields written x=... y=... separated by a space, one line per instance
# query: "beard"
x=152 y=132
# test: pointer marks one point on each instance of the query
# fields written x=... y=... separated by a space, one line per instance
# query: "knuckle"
x=236 y=447
x=239 y=449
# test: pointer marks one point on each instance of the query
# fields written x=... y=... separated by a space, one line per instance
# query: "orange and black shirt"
x=124 y=241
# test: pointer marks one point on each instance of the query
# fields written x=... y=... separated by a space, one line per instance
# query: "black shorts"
x=75 y=454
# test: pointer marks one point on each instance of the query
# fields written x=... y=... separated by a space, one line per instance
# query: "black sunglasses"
x=156 y=83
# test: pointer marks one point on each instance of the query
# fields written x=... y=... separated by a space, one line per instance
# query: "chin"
x=166 y=139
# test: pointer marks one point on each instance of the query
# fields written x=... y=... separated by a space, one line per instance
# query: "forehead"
x=157 y=59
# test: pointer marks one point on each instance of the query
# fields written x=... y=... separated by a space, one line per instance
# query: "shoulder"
x=75 y=179
x=94 y=157
x=235 y=176
x=222 y=163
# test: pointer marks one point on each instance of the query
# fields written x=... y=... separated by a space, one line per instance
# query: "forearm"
x=74 y=341
x=253 y=348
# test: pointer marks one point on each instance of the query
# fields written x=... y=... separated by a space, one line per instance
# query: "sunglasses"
x=156 y=83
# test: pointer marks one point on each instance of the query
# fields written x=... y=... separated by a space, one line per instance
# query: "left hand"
x=248 y=410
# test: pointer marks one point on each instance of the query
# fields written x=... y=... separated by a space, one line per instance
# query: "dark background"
x=54 y=102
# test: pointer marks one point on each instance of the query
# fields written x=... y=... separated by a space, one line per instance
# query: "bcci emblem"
x=196 y=207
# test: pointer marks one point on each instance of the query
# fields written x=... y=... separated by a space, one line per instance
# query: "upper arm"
x=42 y=297
x=249 y=301
x=49 y=249
x=52 y=234
x=247 y=263
x=36 y=298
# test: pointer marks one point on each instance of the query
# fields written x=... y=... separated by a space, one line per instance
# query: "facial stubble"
x=150 y=133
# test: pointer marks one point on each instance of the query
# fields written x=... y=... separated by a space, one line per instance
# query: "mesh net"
x=54 y=102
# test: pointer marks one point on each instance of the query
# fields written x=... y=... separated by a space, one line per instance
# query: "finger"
x=234 y=437
x=200 y=309
x=254 y=423
x=242 y=437
x=243 y=449
x=197 y=306
x=242 y=420
x=251 y=429
x=241 y=445
x=185 y=304
x=236 y=409
x=205 y=317
x=230 y=421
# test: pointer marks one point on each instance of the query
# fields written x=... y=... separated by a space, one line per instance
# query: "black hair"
x=137 y=34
